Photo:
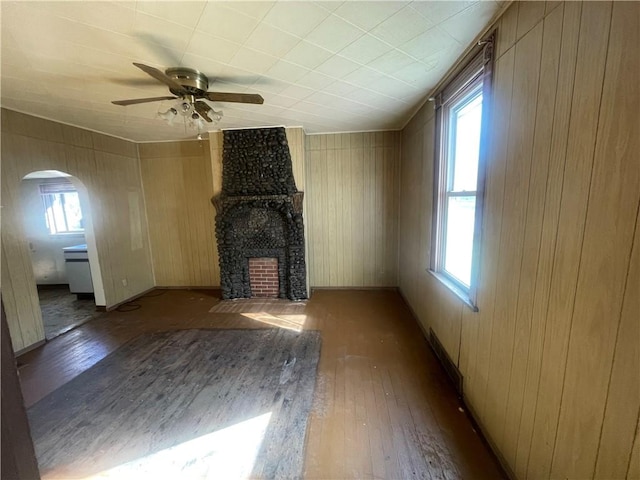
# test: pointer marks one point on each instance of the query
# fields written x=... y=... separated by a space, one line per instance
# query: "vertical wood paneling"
x=508 y=29
x=297 y=147
x=353 y=189
x=327 y=212
x=633 y=470
x=333 y=213
x=544 y=111
x=611 y=215
x=296 y=141
x=18 y=283
x=314 y=227
x=447 y=326
x=13 y=308
x=109 y=169
x=180 y=179
x=494 y=200
x=295 y=138
x=590 y=62
x=623 y=396
x=518 y=171
x=369 y=213
x=178 y=185
x=551 y=5
x=215 y=152
x=564 y=93
x=411 y=135
x=529 y=15
x=378 y=206
x=340 y=192
x=550 y=361
x=390 y=205
x=356 y=173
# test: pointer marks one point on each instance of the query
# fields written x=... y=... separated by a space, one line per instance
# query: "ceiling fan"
x=191 y=86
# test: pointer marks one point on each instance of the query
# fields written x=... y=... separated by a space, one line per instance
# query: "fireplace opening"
x=263 y=277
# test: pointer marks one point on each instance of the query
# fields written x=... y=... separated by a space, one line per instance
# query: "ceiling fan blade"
x=161 y=77
x=141 y=100
x=202 y=108
x=234 y=97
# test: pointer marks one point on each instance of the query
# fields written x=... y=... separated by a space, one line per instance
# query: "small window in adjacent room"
x=461 y=119
x=61 y=208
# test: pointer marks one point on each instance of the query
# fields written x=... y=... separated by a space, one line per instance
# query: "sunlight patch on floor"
x=290 y=322
x=229 y=453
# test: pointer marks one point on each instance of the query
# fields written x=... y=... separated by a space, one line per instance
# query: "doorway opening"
x=59 y=231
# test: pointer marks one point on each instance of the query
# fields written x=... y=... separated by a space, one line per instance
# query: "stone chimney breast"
x=259 y=213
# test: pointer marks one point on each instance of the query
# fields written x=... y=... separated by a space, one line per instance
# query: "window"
x=459 y=175
x=61 y=208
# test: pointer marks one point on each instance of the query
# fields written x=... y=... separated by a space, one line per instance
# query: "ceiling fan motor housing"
x=194 y=82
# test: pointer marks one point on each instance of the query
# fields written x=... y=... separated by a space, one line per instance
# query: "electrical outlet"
x=124 y=282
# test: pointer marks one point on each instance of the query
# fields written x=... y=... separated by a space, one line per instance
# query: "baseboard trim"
x=128 y=300
x=142 y=294
x=33 y=346
x=425 y=332
x=195 y=287
x=355 y=288
x=445 y=360
x=477 y=425
x=45 y=286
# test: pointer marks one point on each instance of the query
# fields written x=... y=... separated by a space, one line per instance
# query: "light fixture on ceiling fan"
x=193 y=118
x=189 y=87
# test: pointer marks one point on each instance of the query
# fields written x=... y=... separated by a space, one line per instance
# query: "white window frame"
x=47 y=191
x=472 y=80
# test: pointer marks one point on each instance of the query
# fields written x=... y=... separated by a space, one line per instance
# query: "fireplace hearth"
x=259 y=213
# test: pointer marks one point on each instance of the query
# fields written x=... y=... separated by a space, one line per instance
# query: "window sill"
x=67 y=234
x=461 y=294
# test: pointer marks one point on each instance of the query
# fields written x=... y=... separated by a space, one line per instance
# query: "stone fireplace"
x=259 y=215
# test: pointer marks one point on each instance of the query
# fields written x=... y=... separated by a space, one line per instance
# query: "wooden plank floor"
x=238 y=398
x=382 y=407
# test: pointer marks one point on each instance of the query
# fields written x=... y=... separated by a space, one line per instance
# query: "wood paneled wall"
x=352 y=187
x=297 y=147
x=350 y=203
x=109 y=169
x=179 y=179
x=178 y=186
x=551 y=361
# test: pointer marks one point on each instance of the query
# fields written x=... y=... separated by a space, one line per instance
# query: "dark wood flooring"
x=383 y=407
x=62 y=310
x=184 y=404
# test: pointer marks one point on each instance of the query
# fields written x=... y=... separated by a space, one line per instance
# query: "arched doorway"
x=59 y=231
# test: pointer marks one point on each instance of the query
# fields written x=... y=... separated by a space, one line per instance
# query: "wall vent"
x=452 y=371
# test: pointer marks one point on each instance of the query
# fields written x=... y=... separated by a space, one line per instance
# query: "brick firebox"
x=263 y=277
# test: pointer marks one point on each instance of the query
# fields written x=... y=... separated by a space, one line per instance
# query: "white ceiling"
x=325 y=66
